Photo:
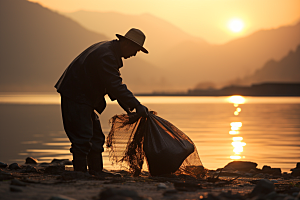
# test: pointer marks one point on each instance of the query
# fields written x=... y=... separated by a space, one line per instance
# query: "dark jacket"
x=95 y=73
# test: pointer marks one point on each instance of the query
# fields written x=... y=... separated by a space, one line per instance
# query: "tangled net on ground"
x=165 y=148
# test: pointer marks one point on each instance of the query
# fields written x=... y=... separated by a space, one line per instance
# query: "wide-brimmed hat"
x=136 y=36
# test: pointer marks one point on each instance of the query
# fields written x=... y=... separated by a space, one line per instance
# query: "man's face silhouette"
x=129 y=49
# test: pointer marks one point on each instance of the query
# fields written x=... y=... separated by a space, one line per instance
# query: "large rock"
x=240 y=166
x=14 y=166
x=296 y=172
x=266 y=168
x=3 y=165
x=269 y=170
x=31 y=160
x=262 y=188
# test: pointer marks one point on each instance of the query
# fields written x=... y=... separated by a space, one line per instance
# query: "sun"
x=236 y=25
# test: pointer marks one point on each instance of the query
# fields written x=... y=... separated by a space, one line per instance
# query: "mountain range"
x=37 y=44
x=282 y=71
x=238 y=58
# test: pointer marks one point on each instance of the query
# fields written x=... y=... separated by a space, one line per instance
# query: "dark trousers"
x=82 y=126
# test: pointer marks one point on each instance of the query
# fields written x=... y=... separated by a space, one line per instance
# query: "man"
x=83 y=85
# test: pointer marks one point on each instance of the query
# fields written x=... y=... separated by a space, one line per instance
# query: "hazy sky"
x=204 y=18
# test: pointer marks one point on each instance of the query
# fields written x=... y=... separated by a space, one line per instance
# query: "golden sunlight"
x=234 y=132
x=236 y=99
x=238 y=146
x=237 y=142
x=235 y=157
x=236 y=124
x=236 y=25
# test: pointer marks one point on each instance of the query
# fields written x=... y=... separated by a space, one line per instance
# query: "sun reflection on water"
x=236 y=100
x=237 y=141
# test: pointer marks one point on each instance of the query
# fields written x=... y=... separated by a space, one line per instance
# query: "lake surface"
x=265 y=130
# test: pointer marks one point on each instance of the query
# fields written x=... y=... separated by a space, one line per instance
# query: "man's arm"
x=125 y=107
x=110 y=77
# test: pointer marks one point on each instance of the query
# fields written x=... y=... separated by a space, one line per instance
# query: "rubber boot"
x=79 y=162
x=95 y=162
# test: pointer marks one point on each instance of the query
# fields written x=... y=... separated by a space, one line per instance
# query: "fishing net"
x=164 y=148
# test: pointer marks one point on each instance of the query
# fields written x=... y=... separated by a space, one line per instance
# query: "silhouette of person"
x=83 y=85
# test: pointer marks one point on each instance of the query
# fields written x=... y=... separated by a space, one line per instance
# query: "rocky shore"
x=238 y=180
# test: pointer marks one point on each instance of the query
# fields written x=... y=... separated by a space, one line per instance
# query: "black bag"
x=165 y=148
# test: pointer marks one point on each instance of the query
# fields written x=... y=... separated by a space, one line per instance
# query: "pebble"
x=121 y=194
x=62 y=161
x=61 y=197
x=31 y=160
x=271 y=195
x=263 y=187
x=15 y=189
x=295 y=194
x=162 y=186
x=3 y=165
x=29 y=169
x=17 y=183
x=14 y=166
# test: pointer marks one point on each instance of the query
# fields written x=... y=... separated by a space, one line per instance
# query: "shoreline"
x=51 y=180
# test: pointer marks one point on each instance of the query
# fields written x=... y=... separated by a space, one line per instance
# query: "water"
x=265 y=130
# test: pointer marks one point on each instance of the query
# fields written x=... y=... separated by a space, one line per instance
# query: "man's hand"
x=142 y=110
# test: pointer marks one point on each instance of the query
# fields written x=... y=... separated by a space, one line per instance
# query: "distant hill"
x=221 y=63
x=37 y=45
x=189 y=60
x=161 y=35
x=286 y=70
